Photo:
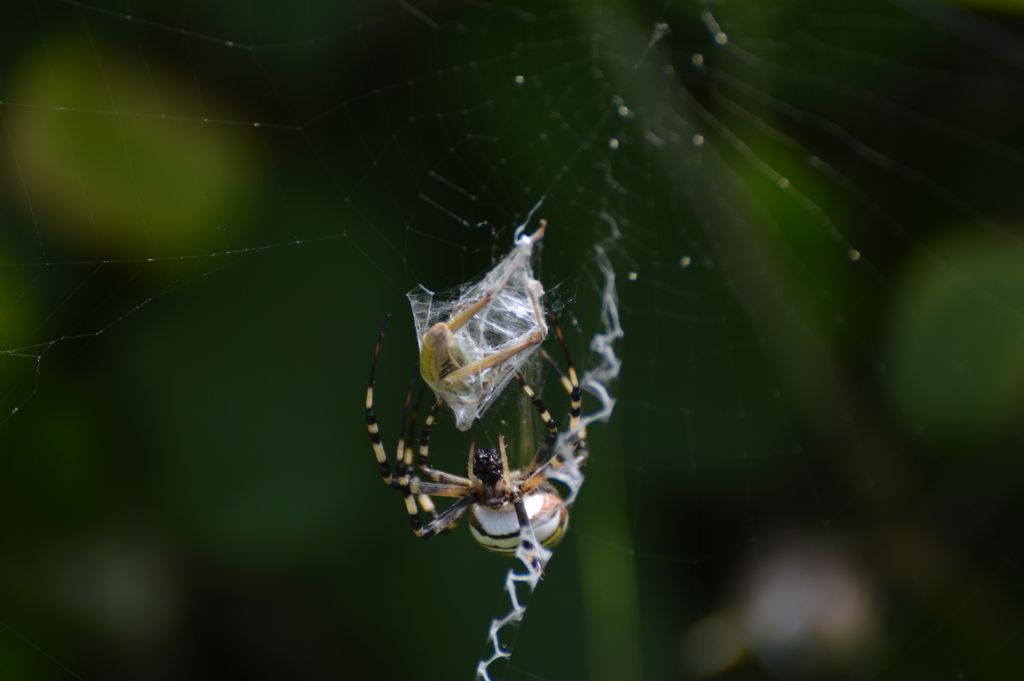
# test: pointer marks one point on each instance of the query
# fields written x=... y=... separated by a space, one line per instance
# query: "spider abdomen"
x=497 y=529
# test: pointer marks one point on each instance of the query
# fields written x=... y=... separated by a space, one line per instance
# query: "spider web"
x=813 y=220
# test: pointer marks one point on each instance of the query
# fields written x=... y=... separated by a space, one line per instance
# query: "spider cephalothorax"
x=489 y=468
x=502 y=503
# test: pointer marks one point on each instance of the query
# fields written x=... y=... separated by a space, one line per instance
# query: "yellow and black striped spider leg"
x=423 y=455
x=570 y=382
x=545 y=416
x=428 y=426
x=401 y=468
x=406 y=458
x=576 y=394
x=371 y=415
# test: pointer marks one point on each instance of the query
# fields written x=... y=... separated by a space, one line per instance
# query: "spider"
x=502 y=503
x=443 y=364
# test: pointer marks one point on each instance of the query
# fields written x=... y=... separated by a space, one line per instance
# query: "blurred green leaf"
x=97 y=135
x=956 y=349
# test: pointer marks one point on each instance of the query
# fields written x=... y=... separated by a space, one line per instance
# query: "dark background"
x=814 y=466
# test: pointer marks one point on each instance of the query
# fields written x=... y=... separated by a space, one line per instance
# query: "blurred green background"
x=814 y=467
